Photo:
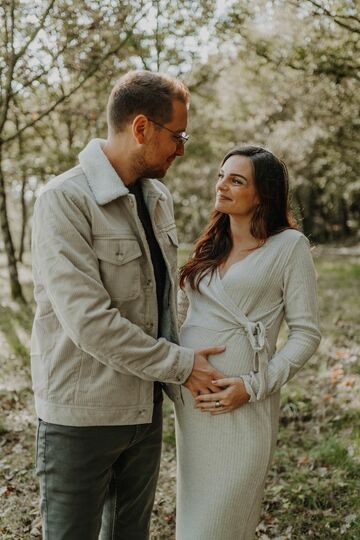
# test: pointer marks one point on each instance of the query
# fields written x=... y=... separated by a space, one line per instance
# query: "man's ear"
x=140 y=128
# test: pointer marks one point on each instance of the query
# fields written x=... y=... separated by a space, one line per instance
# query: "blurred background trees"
x=288 y=78
x=284 y=74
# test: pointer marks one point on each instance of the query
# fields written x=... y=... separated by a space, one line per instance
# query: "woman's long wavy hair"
x=271 y=216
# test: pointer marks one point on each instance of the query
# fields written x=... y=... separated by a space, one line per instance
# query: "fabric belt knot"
x=256 y=333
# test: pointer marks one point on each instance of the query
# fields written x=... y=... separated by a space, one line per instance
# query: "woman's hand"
x=231 y=396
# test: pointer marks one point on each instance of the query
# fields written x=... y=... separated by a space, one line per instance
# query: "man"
x=104 y=264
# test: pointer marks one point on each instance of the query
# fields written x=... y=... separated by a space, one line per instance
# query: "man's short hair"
x=144 y=92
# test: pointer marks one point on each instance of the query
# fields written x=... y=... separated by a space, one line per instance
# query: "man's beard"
x=144 y=170
x=153 y=173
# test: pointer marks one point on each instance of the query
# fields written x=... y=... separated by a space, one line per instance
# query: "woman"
x=250 y=269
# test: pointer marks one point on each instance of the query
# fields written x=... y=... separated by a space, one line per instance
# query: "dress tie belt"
x=256 y=334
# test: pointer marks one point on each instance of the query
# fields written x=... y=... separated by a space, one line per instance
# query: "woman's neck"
x=240 y=232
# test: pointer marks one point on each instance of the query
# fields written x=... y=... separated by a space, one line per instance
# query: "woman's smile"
x=222 y=197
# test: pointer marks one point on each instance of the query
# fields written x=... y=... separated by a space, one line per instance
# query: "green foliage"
x=280 y=74
x=331 y=453
x=288 y=74
x=168 y=427
x=58 y=62
x=10 y=321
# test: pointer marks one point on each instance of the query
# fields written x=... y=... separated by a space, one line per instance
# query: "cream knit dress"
x=223 y=460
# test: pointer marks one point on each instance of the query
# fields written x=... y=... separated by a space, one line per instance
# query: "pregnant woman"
x=250 y=269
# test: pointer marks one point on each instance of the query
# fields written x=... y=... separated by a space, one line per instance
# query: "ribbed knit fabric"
x=223 y=460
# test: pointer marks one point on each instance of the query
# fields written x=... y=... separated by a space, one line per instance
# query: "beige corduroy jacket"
x=94 y=352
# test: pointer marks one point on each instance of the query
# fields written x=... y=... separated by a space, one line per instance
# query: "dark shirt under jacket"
x=155 y=251
x=157 y=258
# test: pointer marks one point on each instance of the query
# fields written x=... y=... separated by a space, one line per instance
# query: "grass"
x=10 y=322
x=312 y=491
x=317 y=463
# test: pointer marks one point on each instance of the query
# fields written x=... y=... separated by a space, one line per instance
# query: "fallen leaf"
x=335 y=374
x=350 y=381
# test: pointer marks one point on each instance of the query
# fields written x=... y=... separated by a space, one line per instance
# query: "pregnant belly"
x=237 y=359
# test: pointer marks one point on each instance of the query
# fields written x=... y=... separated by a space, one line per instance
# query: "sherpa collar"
x=103 y=180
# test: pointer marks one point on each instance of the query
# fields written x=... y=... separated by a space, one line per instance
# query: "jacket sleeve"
x=301 y=315
x=69 y=271
x=182 y=306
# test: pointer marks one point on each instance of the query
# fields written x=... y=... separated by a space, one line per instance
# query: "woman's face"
x=235 y=189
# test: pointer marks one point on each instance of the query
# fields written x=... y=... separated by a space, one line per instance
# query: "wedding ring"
x=217 y=404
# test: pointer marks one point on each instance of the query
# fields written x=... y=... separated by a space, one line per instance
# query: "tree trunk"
x=344 y=211
x=23 y=217
x=23 y=202
x=304 y=199
x=16 y=290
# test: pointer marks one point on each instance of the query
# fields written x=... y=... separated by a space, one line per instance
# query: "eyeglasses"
x=181 y=138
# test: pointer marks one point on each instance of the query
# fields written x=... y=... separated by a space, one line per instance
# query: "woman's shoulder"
x=290 y=237
x=289 y=244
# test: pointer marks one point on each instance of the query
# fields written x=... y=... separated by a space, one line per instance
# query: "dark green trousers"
x=98 y=480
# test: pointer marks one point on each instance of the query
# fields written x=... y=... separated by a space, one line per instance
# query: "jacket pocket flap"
x=173 y=236
x=117 y=250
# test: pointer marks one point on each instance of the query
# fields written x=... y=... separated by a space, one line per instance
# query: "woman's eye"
x=237 y=181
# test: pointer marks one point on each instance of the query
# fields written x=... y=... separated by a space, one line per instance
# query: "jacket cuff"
x=184 y=365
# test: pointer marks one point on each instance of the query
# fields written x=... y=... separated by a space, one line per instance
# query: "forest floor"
x=312 y=490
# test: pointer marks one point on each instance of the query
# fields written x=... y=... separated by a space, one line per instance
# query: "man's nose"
x=180 y=149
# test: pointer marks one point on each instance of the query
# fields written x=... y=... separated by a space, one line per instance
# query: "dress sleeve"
x=301 y=315
x=182 y=307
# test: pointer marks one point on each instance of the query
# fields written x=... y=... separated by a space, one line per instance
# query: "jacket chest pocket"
x=170 y=244
x=119 y=264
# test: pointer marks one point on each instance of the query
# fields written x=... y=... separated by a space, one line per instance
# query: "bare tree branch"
x=5 y=27
x=5 y=101
x=9 y=78
x=5 y=48
x=157 y=35
x=335 y=17
x=36 y=30
x=337 y=66
x=76 y=87
x=38 y=76
x=144 y=63
x=12 y=27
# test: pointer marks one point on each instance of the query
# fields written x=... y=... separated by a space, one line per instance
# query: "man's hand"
x=203 y=373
